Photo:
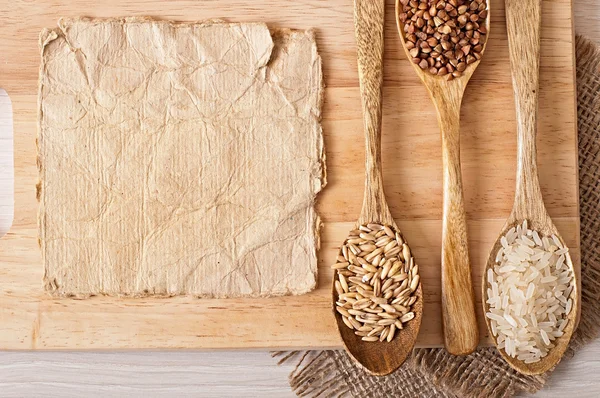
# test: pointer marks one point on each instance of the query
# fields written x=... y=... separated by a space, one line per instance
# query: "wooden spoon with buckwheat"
x=445 y=40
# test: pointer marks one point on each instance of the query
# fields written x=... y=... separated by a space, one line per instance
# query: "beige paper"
x=179 y=159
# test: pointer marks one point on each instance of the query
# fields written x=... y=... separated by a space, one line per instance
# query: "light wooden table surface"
x=215 y=374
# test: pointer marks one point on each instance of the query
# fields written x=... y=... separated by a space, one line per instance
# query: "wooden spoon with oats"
x=523 y=20
x=445 y=40
x=377 y=296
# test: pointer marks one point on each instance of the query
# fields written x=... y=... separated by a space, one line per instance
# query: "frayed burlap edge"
x=333 y=374
x=315 y=374
x=434 y=372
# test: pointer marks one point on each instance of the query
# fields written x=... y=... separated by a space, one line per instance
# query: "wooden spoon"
x=523 y=20
x=461 y=333
x=378 y=358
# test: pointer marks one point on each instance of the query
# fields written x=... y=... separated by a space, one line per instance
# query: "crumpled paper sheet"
x=179 y=158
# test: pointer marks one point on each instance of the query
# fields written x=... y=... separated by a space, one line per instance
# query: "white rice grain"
x=529 y=293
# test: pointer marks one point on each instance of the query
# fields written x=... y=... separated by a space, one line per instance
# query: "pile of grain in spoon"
x=444 y=36
x=376 y=282
x=529 y=293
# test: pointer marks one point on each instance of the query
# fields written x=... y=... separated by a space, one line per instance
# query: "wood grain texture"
x=461 y=334
x=412 y=175
x=379 y=358
x=205 y=374
x=369 y=23
x=148 y=374
x=587 y=18
x=524 y=24
x=6 y=163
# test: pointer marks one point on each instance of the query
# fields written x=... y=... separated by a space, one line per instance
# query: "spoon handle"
x=369 y=16
x=523 y=22
x=461 y=333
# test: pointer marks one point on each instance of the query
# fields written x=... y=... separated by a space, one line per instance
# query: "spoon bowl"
x=542 y=223
x=461 y=332
x=381 y=358
x=435 y=82
x=377 y=358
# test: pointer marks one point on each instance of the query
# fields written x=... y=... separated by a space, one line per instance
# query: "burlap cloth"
x=434 y=372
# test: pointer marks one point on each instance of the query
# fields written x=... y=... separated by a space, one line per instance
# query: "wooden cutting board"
x=29 y=319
